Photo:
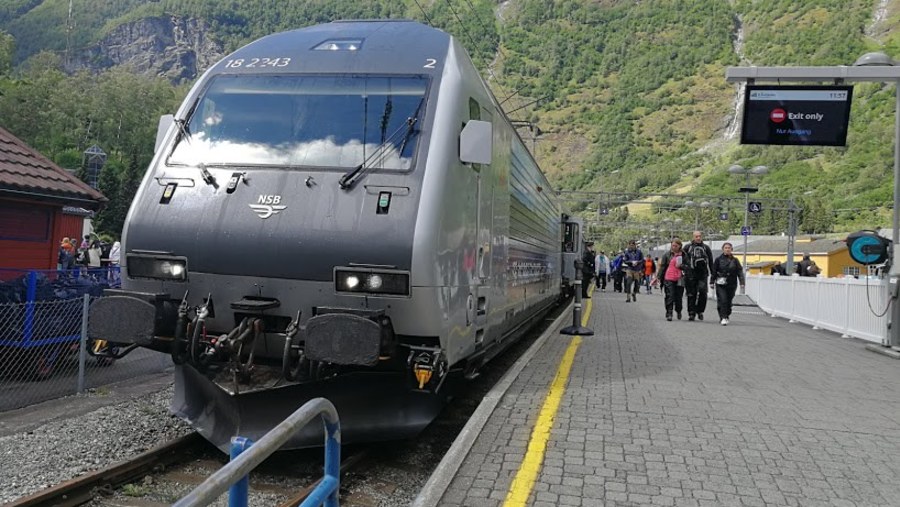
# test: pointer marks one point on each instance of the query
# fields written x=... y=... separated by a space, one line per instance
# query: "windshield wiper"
x=348 y=179
x=207 y=176
x=183 y=133
x=410 y=123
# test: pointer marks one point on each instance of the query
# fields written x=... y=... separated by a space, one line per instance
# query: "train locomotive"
x=343 y=211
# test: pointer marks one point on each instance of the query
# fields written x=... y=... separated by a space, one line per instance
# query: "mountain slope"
x=631 y=95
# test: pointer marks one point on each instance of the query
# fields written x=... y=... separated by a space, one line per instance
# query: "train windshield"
x=308 y=121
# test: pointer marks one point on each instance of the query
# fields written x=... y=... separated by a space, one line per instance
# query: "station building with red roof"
x=40 y=203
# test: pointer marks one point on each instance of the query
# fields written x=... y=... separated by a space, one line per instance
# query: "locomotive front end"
x=269 y=248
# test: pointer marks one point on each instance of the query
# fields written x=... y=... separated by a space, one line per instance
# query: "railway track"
x=376 y=474
x=92 y=488
x=83 y=489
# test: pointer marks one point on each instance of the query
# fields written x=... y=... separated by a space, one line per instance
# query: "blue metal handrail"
x=246 y=455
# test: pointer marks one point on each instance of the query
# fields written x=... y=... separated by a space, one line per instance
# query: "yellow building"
x=831 y=255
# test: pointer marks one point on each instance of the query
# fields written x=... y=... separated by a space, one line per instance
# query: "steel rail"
x=347 y=464
x=81 y=490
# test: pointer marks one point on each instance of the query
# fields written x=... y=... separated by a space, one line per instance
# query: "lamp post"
x=700 y=206
x=747 y=190
x=670 y=224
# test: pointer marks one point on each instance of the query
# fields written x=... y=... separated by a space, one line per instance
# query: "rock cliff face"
x=170 y=46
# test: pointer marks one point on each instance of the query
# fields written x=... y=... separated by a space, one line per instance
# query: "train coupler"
x=293 y=360
x=428 y=367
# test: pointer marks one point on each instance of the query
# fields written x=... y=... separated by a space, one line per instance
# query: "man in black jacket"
x=587 y=268
x=802 y=268
x=698 y=259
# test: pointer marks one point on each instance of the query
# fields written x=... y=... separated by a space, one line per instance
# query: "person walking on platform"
x=727 y=272
x=698 y=262
x=633 y=265
x=649 y=272
x=671 y=277
x=601 y=265
x=617 y=273
x=587 y=269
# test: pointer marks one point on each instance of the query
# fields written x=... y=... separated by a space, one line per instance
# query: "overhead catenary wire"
x=474 y=44
x=428 y=19
x=505 y=57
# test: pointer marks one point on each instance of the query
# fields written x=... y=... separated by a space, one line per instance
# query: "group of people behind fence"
x=88 y=254
x=687 y=270
x=806 y=267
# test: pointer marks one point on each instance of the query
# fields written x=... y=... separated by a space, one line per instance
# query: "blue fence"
x=35 y=323
x=43 y=354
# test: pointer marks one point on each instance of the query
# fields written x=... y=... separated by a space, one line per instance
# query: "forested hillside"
x=630 y=96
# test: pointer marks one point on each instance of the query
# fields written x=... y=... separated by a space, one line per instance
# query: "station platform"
x=650 y=412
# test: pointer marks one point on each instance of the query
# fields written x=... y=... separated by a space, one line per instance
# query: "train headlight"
x=374 y=282
x=157 y=267
x=353 y=280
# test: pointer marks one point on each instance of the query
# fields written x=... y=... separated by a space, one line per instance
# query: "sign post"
x=796 y=115
x=872 y=67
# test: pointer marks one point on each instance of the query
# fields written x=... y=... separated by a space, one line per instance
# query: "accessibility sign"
x=754 y=207
x=796 y=115
x=745 y=230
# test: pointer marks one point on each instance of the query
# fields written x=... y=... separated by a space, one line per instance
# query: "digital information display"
x=796 y=115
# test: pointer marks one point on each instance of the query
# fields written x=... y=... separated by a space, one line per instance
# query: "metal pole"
x=576 y=327
x=30 y=296
x=82 y=347
x=792 y=236
x=239 y=492
x=894 y=335
x=332 y=461
x=746 y=215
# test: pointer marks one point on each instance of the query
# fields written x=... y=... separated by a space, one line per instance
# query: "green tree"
x=110 y=219
x=817 y=216
x=7 y=51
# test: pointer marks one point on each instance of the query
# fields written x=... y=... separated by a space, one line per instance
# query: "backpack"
x=697 y=259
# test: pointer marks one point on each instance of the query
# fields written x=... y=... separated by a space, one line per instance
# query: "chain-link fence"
x=44 y=350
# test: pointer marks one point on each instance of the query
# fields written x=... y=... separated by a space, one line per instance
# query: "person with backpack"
x=802 y=267
x=727 y=272
x=633 y=266
x=813 y=270
x=671 y=277
x=698 y=258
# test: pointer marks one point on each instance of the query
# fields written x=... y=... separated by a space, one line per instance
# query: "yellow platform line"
x=528 y=471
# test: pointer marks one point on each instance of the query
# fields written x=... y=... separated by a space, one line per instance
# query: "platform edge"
x=433 y=490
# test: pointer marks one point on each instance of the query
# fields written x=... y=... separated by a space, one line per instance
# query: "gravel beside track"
x=63 y=449
x=79 y=440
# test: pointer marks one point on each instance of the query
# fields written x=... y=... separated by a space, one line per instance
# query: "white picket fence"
x=843 y=305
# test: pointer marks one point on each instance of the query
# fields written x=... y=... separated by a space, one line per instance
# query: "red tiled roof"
x=22 y=169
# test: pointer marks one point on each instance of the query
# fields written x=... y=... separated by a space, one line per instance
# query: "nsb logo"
x=267 y=205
